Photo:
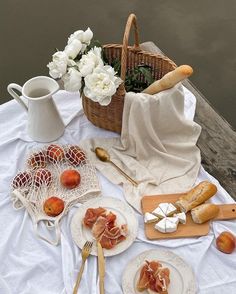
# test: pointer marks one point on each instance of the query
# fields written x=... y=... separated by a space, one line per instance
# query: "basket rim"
x=140 y=51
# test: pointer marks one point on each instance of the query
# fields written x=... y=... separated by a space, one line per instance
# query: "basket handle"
x=132 y=21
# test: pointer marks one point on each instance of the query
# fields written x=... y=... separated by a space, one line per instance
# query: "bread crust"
x=196 y=196
x=204 y=212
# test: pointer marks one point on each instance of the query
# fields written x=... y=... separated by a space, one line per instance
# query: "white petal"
x=105 y=101
x=87 y=36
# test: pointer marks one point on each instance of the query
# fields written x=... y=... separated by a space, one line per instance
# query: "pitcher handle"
x=11 y=88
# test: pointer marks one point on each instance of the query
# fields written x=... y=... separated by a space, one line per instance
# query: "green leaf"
x=116 y=65
x=104 y=58
x=94 y=43
x=147 y=74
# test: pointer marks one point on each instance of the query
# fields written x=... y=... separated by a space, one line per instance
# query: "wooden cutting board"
x=190 y=229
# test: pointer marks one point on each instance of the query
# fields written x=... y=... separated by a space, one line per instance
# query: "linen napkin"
x=157 y=146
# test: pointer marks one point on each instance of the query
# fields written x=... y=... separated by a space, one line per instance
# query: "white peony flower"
x=84 y=46
x=86 y=65
x=90 y=61
x=73 y=49
x=83 y=37
x=101 y=84
x=78 y=35
x=71 y=62
x=72 y=80
x=87 y=36
x=58 y=66
x=96 y=54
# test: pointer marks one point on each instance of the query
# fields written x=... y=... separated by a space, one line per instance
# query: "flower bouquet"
x=81 y=68
x=102 y=74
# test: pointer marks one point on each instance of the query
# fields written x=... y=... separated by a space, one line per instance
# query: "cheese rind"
x=158 y=212
x=181 y=216
x=150 y=218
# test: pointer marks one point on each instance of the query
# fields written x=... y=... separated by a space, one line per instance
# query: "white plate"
x=124 y=213
x=182 y=280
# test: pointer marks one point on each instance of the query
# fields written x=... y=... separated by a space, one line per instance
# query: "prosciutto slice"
x=154 y=277
x=92 y=215
x=99 y=227
x=104 y=228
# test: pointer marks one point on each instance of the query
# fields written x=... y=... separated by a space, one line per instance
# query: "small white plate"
x=124 y=214
x=182 y=280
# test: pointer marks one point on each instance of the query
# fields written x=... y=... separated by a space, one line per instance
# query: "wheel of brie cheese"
x=169 y=218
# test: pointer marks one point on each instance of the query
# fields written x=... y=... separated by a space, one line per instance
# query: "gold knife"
x=101 y=267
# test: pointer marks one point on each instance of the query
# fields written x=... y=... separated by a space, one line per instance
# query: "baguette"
x=204 y=212
x=169 y=80
x=196 y=196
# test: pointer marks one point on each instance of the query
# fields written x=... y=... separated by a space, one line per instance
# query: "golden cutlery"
x=101 y=267
x=103 y=155
x=85 y=253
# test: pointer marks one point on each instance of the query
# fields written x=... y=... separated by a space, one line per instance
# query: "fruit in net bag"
x=53 y=206
x=55 y=153
x=37 y=160
x=75 y=155
x=70 y=178
x=42 y=176
x=22 y=180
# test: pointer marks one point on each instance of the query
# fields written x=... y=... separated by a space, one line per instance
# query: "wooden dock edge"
x=217 y=141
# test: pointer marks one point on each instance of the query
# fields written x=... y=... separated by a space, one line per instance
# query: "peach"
x=225 y=242
x=37 y=160
x=55 y=153
x=42 y=176
x=53 y=206
x=75 y=155
x=22 y=180
x=70 y=178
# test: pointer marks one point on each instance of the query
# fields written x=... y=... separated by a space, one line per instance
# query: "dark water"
x=200 y=33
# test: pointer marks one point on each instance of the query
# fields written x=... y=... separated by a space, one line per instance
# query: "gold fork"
x=85 y=253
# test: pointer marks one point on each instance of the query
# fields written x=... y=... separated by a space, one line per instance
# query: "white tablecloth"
x=31 y=266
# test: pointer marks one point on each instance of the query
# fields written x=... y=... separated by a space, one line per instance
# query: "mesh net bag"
x=41 y=180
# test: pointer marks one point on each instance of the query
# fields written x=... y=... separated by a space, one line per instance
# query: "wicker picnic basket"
x=110 y=117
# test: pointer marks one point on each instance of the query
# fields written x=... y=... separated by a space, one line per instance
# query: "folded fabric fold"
x=157 y=146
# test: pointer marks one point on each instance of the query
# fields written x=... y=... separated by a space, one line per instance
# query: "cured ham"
x=92 y=215
x=154 y=277
x=99 y=227
x=104 y=228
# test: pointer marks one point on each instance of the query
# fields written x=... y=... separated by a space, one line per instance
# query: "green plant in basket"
x=82 y=66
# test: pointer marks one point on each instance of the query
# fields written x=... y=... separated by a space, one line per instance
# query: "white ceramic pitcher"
x=44 y=121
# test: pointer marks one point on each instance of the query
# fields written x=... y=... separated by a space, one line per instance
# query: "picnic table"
x=30 y=265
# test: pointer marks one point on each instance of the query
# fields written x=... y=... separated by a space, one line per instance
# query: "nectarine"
x=225 y=242
x=22 y=180
x=70 y=178
x=37 y=160
x=75 y=155
x=55 y=153
x=42 y=176
x=53 y=206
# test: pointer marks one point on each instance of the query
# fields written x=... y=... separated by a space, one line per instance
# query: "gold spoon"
x=103 y=155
